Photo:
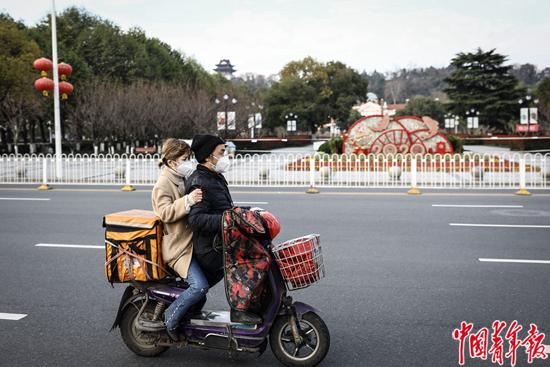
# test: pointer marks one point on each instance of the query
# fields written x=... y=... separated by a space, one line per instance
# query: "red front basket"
x=300 y=261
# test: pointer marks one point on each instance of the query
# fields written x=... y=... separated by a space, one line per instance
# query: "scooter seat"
x=218 y=319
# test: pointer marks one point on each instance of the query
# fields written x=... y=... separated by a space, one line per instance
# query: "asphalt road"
x=399 y=279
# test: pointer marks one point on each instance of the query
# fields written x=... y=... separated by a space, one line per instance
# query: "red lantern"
x=44 y=85
x=43 y=65
x=64 y=70
x=64 y=89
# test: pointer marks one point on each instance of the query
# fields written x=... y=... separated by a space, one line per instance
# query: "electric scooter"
x=296 y=333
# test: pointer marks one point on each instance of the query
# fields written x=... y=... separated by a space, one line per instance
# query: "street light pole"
x=255 y=108
x=57 y=115
x=529 y=110
x=473 y=121
x=225 y=106
x=225 y=98
x=291 y=121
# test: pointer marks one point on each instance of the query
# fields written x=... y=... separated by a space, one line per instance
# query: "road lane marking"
x=515 y=261
x=67 y=245
x=26 y=199
x=252 y=202
x=12 y=316
x=475 y=206
x=499 y=225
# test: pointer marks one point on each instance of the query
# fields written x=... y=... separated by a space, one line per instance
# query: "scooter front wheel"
x=313 y=348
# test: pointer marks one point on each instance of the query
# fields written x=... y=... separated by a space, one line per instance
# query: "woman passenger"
x=172 y=206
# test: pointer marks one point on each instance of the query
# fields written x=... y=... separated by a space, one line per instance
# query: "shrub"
x=456 y=143
x=333 y=146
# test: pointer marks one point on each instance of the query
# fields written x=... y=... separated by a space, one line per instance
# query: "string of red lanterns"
x=45 y=84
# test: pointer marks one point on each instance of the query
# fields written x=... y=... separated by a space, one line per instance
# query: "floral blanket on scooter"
x=246 y=257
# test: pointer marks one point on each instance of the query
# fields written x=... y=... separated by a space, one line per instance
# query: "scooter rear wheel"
x=316 y=341
x=142 y=344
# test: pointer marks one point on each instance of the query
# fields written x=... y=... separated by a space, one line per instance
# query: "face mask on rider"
x=185 y=169
x=222 y=164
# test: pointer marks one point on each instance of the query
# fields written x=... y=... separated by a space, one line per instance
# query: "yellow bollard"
x=523 y=192
x=128 y=188
x=312 y=190
x=414 y=190
x=522 y=185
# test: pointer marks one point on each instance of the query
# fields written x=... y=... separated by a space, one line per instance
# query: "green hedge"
x=456 y=142
x=333 y=146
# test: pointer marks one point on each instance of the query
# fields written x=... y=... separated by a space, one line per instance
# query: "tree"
x=97 y=47
x=314 y=91
x=481 y=81
x=126 y=84
x=527 y=74
x=424 y=106
x=377 y=83
x=543 y=94
x=145 y=111
x=395 y=88
x=19 y=104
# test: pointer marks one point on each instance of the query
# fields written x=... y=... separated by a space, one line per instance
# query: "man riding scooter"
x=228 y=242
x=205 y=217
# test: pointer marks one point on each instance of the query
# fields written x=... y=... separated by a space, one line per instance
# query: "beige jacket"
x=172 y=208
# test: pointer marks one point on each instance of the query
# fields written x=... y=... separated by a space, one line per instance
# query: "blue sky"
x=262 y=36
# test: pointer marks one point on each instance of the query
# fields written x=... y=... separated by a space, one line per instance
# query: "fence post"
x=312 y=189
x=414 y=190
x=44 y=185
x=127 y=187
x=522 y=189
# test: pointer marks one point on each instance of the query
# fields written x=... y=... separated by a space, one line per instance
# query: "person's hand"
x=195 y=196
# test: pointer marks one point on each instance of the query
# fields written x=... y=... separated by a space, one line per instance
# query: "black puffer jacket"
x=206 y=219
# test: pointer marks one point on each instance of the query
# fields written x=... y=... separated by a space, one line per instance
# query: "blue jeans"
x=198 y=287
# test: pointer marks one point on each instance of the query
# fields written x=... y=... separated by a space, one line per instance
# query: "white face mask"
x=186 y=168
x=222 y=165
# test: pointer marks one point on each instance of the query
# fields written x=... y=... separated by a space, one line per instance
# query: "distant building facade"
x=225 y=68
x=375 y=107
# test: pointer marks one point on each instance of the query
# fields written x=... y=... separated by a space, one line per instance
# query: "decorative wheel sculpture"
x=417 y=144
x=437 y=144
x=391 y=142
x=379 y=134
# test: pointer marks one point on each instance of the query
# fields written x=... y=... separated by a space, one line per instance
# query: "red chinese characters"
x=478 y=342
x=497 y=349
x=512 y=337
x=533 y=343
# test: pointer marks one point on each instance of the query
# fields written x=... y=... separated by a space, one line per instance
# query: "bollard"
x=414 y=190
x=128 y=187
x=44 y=185
x=522 y=189
x=312 y=189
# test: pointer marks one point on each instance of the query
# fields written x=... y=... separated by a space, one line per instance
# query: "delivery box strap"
x=121 y=252
x=131 y=245
x=134 y=251
x=128 y=254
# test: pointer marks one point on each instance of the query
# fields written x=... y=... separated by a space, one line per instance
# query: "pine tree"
x=482 y=82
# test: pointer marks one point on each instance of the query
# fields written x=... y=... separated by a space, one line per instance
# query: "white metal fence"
x=487 y=171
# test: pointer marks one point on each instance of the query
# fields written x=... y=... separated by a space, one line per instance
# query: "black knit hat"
x=203 y=145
